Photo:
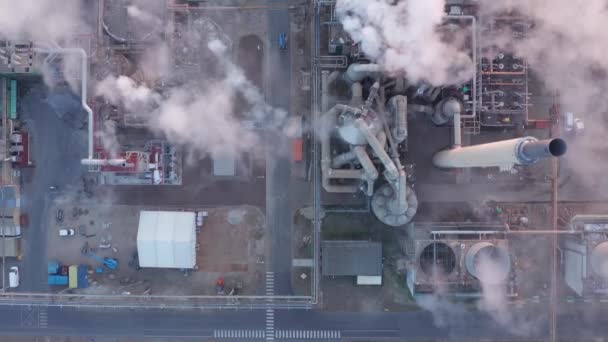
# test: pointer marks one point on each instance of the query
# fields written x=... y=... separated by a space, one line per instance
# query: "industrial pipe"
x=391 y=170
x=343 y=159
x=357 y=72
x=534 y=150
x=356 y=94
x=502 y=154
x=328 y=121
x=324 y=90
x=104 y=162
x=398 y=107
x=366 y=162
x=474 y=48
x=83 y=97
x=457 y=133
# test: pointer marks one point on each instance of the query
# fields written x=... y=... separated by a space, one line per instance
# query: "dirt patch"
x=234 y=252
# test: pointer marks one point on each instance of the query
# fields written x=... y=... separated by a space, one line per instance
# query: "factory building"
x=366 y=115
x=360 y=259
x=585 y=256
x=167 y=239
x=458 y=259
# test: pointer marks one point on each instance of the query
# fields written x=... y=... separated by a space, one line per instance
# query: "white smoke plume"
x=403 y=36
x=202 y=116
x=39 y=20
x=494 y=300
x=566 y=47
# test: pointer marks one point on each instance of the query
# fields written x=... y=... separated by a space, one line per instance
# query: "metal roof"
x=351 y=258
x=166 y=239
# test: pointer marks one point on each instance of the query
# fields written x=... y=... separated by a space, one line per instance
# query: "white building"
x=166 y=239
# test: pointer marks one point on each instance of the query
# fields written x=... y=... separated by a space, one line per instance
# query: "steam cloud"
x=403 y=36
x=566 y=48
x=39 y=20
x=200 y=116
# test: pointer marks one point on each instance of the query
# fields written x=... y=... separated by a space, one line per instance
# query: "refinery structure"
x=276 y=156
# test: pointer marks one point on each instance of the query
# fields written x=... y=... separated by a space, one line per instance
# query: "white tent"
x=166 y=239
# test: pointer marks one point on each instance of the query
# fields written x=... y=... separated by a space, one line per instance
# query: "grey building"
x=361 y=259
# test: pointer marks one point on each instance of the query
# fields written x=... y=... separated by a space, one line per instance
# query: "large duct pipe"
x=105 y=162
x=445 y=111
x=356 y=91
x=502 y=154
x=328 y=122
x=343 y=159
x=457 y=131
x=391 y=170
x=398 y=107
x=357 y=72
x=366 y=162
x=534 y=150
x=84 y=75
x=324 y=90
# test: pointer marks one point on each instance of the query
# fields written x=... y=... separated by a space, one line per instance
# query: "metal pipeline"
x=391 y=170
x=328 y=122
x=398 y=107
x=356 y=94
x=83 y=96
x=343 y=159
x=533 y=150
x=457 y=133
x=357 y=72
x=104 y=162
x=366 y=162
x=474 y=48
x=324 y=90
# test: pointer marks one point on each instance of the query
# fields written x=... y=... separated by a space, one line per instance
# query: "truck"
x=13 y=277
x=53 y=267
x=73 y=276
x=83 y=280
x=54 y=279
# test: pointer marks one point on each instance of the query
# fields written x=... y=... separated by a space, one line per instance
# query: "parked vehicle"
x=53 y=267
x=58 y=280
x=13 y=277
x=283 y=41
x=59 y=215
x=66 y=232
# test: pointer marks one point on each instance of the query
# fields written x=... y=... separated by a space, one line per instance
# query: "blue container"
x=58 y=280
x=83 y=279
x=53 y=267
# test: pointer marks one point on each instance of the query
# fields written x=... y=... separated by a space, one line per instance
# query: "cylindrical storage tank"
x=437 y=259
x=488 y=262
x=599 y=259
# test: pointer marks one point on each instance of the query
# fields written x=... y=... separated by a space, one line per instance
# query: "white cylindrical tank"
x=488 y=262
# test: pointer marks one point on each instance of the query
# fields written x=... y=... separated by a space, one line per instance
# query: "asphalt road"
x=279 y=211
x=412 y=325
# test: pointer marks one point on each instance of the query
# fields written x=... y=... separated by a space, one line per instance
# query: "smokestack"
x=502 y=154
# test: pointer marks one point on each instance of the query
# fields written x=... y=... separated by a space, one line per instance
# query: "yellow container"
x=73 y=276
